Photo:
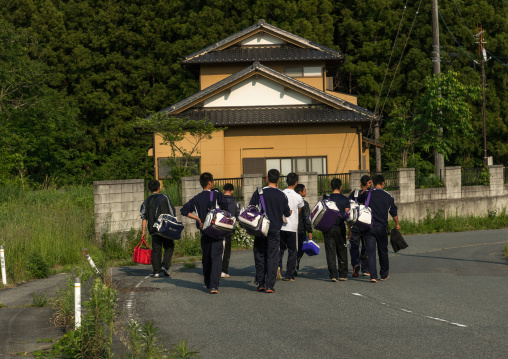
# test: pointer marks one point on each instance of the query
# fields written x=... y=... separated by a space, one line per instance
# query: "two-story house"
x=273 y=92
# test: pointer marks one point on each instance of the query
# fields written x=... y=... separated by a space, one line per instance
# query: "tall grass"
x=437 y=222
x=57 y=224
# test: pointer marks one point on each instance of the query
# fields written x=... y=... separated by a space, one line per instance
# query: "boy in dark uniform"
x=266 y=249
x=212 y=249
x=151 y=209
x=234 y=210
x=335 y=238
x=304 y=223
x=355 y=235
x=381 y=203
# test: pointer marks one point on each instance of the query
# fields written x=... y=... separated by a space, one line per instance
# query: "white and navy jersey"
x=200 y=204
x=276 y=205
x=381 y=203
x=153 y=207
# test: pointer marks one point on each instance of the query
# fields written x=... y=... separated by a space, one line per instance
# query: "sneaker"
x=158 y=275
x=335 y=280
x=261 y=288
x=366 y=274
x=383 y=279
x=214 y=291
x=292 y=279
x=270 y=290
x=279 y=275
x=166 y=272
x=342 y=279
x=356 y=269
x=224 y=275
x=373 y=280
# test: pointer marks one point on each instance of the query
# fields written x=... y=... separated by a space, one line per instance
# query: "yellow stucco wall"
x=223 y=154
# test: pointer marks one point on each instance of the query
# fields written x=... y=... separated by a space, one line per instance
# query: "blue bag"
x=167 y=225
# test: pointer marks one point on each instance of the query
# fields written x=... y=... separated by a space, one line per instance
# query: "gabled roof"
x=261 y=25
x=262 y=54
x=261 y=70
x=273 y=115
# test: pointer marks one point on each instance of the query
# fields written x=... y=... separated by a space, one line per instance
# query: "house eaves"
x=261 y=70
x=261 y=25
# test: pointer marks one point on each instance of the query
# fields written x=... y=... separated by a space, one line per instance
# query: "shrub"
x=39 y=300
x=241 y=239
x=37 y=266
x=188 y=246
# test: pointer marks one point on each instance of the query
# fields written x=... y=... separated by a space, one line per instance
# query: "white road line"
x=415 y=313
x=130 y=300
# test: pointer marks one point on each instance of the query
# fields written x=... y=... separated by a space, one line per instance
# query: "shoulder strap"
x=368 y=199
x=210 y=204
x=261 y=199
x=356 y=195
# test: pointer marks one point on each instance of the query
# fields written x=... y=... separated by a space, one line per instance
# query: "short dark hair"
x=273 y=176
x=378 y=179
x=291 y=179
x=228 y=187
x=336 y=183
x=299 y=188
x=154 y=185
x=204 y=178
x=364 y=180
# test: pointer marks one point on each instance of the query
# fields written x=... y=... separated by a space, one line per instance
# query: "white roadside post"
x=77 y=297
x=90 y=260
x=2 y=259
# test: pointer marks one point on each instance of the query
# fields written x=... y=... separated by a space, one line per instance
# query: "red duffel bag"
x=142 y=255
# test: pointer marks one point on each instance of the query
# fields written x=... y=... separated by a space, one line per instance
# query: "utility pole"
x=483 y=58
x=377 y=122
x=436 y=64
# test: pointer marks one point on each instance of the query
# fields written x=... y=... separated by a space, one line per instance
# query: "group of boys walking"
x=289 y=216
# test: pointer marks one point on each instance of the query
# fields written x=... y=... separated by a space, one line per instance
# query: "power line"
x=390 y=60
x=456 y=41
x=401 y=55
x=470 y=33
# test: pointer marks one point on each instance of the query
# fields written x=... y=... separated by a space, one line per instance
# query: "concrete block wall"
x=250 y=183
x=496 y=186
x=310 y=180
x=116 y=206
x=430 y=194
x=406 y=185
x=453 y=182
x=190 y=188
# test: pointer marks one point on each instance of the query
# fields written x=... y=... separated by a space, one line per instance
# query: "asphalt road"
x=447 y=296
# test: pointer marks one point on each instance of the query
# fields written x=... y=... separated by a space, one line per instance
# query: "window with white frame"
x=297 y=164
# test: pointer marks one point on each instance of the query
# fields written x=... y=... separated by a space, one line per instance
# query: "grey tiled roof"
x=268 y=72
x=269 y=53
x=241 y=116
x=270 y=28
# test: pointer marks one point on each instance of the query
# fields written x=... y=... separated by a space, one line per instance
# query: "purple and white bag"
x=324 y=215
x=353 y=206
x=254 y=221
x=364 y=215
x=218 y=223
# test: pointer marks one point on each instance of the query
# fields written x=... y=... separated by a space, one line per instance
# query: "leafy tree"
x=39 y=124
x=444 y=105
x=183 y=136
